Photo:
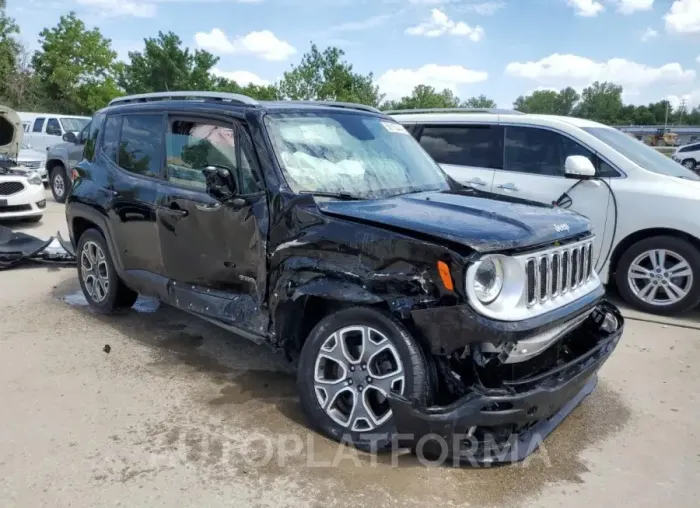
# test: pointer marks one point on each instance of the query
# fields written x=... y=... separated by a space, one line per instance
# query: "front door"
x=469 y=153
x=533 y=168
x=209 y=244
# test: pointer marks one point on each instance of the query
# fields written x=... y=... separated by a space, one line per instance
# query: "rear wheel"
x=60 y=183
x=104 y=291
x=349 y=363
x=660 y=275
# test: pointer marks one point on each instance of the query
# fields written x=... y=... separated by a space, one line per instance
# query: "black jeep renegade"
x=461 y=322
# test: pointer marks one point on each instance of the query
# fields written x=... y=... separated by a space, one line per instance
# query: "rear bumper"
x=487 y=427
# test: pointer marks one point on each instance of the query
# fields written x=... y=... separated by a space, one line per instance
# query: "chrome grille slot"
x=558 y=272
x=544 y=278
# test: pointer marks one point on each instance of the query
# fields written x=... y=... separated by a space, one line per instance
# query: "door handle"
x=174 y=209
x=477 y=181
x=508 y=186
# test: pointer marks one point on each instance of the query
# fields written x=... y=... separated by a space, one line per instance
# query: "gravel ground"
x=180 y=413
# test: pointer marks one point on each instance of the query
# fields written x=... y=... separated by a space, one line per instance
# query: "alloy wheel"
x=93 y=270
x=689 y=164
x=355 y=369
x=660 y=277
x=59 y=186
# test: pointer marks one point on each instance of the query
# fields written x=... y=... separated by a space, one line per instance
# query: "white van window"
x=38 y=125
x=53 y=128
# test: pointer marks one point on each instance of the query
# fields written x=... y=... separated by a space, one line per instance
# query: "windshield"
x=641 y=154
x=74 y=124
x=358 y=155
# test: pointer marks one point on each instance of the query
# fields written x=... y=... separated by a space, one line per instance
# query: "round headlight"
x=488 y=280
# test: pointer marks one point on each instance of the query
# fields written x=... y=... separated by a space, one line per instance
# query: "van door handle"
x=508 y=186
x=174 y=209
x=477 y=181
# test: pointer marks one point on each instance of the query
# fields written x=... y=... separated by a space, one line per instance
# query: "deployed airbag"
x=17 y=248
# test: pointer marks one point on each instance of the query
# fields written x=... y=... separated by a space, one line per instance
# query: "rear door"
x=469 y=153
x=533 y=168
x=133 y=147
x=217 y=246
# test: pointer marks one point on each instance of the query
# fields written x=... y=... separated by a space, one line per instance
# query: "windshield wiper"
x=338 y=195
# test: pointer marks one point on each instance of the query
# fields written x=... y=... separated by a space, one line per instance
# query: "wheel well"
x=80 y=225
x=52 y=164
x=635 y=237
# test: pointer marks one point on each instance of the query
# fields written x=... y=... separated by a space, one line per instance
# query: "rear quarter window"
x=464 y=145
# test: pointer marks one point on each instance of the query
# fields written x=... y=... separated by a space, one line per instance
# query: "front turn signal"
x=445 y=276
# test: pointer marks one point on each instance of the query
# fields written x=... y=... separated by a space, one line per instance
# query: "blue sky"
x=499 y=48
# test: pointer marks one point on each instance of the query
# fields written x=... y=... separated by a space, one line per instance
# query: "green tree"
x=9 y=49
x=260 y=92
x=327 y=76
x=424 y=96
x=75 y=67
x=165 y=65
x=601 y=102
x=548 y=102
x=479 y=102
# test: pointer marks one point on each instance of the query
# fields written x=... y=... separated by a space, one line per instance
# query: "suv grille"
x=8 y=188
x=558 y=271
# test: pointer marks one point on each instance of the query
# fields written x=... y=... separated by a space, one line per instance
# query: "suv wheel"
x=348 y=364
x=104 y=291
x=660 y=275
x=689 y=163
x=60 y=183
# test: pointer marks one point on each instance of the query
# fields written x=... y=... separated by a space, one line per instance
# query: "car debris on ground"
x=18 y=248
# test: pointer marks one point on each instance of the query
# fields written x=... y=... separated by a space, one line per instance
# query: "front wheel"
x=689 y=164
x=60 y=184
x=349 y=363
x=660 y=275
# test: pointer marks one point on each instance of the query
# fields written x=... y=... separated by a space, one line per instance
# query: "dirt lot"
x=180 y=413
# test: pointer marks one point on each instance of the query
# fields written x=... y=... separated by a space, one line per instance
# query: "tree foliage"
x=326 y=76
x=76 y=71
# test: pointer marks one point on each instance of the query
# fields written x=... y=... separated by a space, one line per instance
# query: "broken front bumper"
x=504 y=426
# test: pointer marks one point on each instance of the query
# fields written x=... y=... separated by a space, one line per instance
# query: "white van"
x=47 y=129
x=644 y=207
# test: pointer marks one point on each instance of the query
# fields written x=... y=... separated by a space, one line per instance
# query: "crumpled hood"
x=485 y=225
x=10 y=132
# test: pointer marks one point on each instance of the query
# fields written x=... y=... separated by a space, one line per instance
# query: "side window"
x=83 y=134
x=192 y=145
x=141 y=144
x=53 y=128
x=465 y=145
x=38 y=125
x=91 y=134
x=535 y=151
x=110 y=138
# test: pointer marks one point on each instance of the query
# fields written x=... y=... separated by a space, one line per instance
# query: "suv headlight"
x=488 y=279
x=34 y=178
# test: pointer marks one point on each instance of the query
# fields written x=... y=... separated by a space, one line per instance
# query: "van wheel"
x=104 y=291
x=60 y=183
x=660 y=275
x=689 y=164
x=348 y=364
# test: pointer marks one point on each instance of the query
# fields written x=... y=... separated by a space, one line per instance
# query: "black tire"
x=118 y=295
x=689 y=164
x=59 y=172
x=410 y=354
x=678 y=245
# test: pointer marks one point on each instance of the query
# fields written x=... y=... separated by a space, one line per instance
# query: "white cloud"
x=397 y=83
x=698 y=59
x=243 y=78
x=264 y=44
x=632 y=6
x=559 y=69
x=121 y=7
x=692 y=100
x=586 y=8
x=439 y=24
x=683 y=17
x=649 y=34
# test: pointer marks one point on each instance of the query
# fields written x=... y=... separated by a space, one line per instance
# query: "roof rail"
x=495 y=111
x=335 y=104
x=160 y=96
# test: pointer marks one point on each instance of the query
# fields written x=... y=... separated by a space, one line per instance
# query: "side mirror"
x=220 y=182
x=70 y=137
x=578 y=166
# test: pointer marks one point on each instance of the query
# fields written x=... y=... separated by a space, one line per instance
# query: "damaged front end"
x=503 y=411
